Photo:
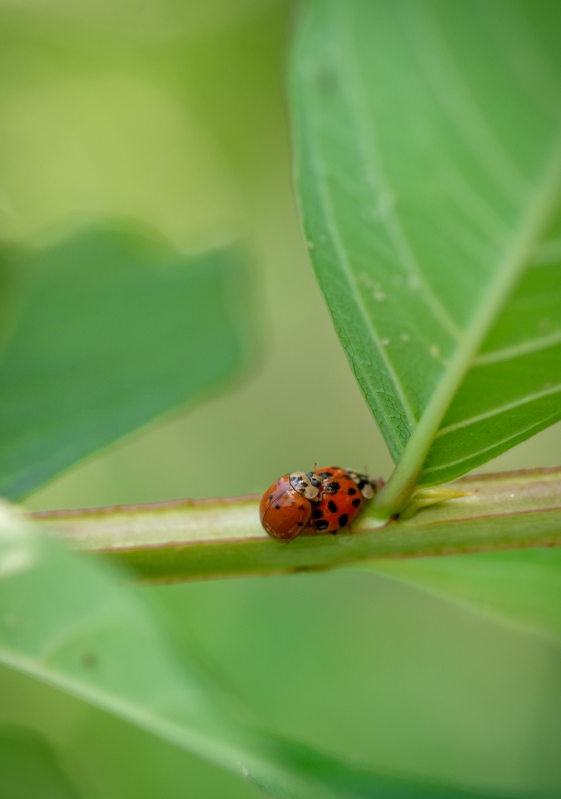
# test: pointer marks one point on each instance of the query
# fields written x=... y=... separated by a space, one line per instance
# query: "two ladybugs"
x=314 y=503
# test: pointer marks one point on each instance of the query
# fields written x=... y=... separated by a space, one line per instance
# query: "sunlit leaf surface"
x=428 y=136
x=109 y=331
x=106 y=647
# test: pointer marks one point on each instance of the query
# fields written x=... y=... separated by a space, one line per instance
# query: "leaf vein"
x=369 y=151
x=499 y=410
x=471 y=455
x=332 y=227
x=518 y=350
x=450 y=87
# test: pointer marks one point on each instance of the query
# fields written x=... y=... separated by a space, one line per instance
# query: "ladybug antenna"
x=315 y=466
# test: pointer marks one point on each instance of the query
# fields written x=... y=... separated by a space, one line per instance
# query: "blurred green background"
x=174 y=114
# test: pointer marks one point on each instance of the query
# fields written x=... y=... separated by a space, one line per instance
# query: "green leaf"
x=70 y=621
x=522 y=587
x=29 y=768
x=428 y=137
x=111 y=330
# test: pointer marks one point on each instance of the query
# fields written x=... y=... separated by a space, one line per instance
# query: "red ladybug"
x=343 y=495
x=286 y=507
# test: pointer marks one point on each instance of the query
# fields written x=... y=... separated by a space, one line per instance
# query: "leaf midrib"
x=538 y=213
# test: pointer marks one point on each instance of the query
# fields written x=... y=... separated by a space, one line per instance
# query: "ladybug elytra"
x=286 y=507
x=342 y=499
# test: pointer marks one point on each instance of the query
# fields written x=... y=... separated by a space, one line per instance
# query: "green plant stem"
x=200 y=539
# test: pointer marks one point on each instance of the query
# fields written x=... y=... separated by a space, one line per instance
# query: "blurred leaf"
x=520 y=586
x=165 y=20
x=321 y=775
x=140 y=766
x=112 y=330
x=69 y=621
x=428 y=139
x=29 y=768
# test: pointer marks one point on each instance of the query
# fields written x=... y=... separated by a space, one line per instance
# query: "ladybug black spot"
x=270 y=497
x=351 y=491
x=317 y=514
x=333 y=487
x=323 y=475
x=322 y=525
x=356 y=502
x=300 y=524
x=332 y=506
x=343 y=519
x=277 y=507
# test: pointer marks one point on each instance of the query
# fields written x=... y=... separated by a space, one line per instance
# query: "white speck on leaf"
x=405 y=337
x=385 y=342
x=434 y=350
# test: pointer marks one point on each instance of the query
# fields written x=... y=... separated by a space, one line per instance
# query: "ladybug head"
x=366 y=485
x=307 y=484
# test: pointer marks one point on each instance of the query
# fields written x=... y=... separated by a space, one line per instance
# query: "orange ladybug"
x=343 y=495
x=286 y=507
